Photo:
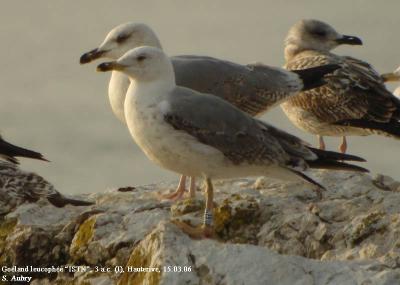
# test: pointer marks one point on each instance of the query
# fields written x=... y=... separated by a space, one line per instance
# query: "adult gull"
x=353 y=102
x=254 y=88
x=201 y=135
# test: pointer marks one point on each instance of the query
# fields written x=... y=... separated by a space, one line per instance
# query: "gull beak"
x=108 y=66
x=349 y=40
x=91 y=55
x=390 y=77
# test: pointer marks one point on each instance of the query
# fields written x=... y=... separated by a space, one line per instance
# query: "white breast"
x=117 y=88
x=169 y=148
x=176 y=150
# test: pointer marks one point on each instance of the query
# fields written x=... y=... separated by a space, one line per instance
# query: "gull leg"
x=206 y=230
x=321 y=142
x=208 y=212
x=178 y=193
x=192 y=189
x=343 y=146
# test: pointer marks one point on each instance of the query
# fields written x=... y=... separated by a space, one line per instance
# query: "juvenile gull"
x=197 y=134
x=253 y=88
x=393 y=77
x=18 y=186
x=353 y=102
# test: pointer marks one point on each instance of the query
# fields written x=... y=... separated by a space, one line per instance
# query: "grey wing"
x=252 y=88
x=238 y=136
x=355 y=91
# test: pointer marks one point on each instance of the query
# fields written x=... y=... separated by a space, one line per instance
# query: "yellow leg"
x=206 y=230
x=343 y=146
x=321 y=142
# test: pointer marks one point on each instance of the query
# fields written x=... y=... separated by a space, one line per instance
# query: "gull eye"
x=121 y=38
x=141 y=58
x=319 y=33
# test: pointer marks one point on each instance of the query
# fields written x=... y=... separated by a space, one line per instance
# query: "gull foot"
x=178 y=194
x=175 y=196
x=199 y=232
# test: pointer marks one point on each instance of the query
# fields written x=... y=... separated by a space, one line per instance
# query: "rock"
x=267 y=232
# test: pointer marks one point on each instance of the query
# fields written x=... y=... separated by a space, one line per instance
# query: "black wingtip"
x=391 y=128
x=336 y=165
x=75 y=202
x=10 y=151
x=333 y=155
x=314 y=77
x=308 y=179
x=43 y=158
x=61 y=201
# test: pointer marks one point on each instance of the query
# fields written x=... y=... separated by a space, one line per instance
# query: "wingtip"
x=333 y=155
x=351 y=157
x=44 y=159
x=75 y=202
x=314 y=77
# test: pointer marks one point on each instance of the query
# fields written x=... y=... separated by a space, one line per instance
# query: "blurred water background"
x=52 y=104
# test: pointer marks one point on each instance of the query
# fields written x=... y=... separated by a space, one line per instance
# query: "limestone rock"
x=266 y=232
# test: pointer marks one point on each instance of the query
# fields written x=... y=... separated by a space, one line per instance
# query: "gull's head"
x=315 y=35
x=142 y=64
x=392 y=76
x=122 y=39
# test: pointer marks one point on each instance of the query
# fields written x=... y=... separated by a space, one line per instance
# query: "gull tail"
x=329 y=160
x=314 y=77
x=389 y=129
x=9 y=151
x=60 y=201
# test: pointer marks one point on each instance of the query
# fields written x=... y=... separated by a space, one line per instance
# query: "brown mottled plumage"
x=18 y=187
x=353 y=102
x=253 y=88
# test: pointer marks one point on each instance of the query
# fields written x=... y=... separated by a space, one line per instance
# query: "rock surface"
x=267 y=232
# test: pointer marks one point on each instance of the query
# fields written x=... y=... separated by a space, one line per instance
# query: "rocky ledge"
x=267 y=232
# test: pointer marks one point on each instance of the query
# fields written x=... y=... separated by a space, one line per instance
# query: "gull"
x=353 y=102
x=201 y=135
x=254 y=88
x=18 y=186
x=393 y=77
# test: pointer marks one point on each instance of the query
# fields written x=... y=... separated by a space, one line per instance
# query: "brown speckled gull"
x=353 y=102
